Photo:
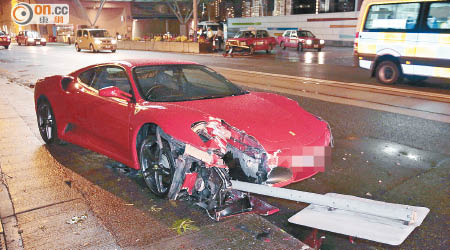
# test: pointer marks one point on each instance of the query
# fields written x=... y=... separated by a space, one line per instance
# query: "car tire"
x=251 y=50
x=300 y=47
x=6 y=47
x=388 y=72
x=91 y=48
x=319 y=49
x=77 y=47
x=157 y=165
x=19 y=44
x=46 y=122
x=270 y=49
x=113 y=51
x=282 y=45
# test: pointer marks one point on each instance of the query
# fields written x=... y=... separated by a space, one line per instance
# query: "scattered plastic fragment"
x=398 y=163
x=305 y=247
x=77 y=219
x=380 y=181
x=362 y=153
x=42 y=227
x=368 y=194
x=183 y=225
x=154 y=208
x=129 y=204
x=343 y=158
x=350 y=238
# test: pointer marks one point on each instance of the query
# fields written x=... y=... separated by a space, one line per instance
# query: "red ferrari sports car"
x=184 y=126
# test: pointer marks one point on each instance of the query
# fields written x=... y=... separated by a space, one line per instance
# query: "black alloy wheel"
x=157 y=166
x=77 y=47
x=388 y=72
x=46 y=122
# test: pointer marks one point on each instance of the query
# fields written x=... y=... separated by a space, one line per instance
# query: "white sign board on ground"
x=370 y=227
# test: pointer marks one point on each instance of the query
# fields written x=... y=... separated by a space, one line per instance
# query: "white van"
x=404 y=38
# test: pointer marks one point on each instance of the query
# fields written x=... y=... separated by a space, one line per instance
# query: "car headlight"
x=309 y=42
x=96 y=41
x=113 y=41
x=322 y=42
x=30 y=40
x=43 y=40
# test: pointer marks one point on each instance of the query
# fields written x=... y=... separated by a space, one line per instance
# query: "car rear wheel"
x=6 y=47
x=252 y=50
x=270 y=49
x=91 y=48
x=387 y=72
x=319 y=49
x=46 y=122
x=113 y=51
x=157 y=165
x=77 y=47
x=282 y=45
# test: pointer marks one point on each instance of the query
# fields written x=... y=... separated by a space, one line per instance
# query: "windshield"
x=99 y=33
x=304 y=34
x=2 y=34
x=33 y=34
x=172 y=83
x=244 y=34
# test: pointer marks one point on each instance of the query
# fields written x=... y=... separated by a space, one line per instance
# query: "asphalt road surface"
x=379 y=155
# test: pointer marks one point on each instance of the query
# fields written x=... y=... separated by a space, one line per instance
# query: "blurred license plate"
x=316 y=46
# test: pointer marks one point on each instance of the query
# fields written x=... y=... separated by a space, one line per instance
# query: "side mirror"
x=114 y=92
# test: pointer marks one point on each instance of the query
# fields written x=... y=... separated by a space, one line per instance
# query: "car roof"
x=149 y=62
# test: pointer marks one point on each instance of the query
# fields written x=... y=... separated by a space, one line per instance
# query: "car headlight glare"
x=113 y=41
x=43 y=40
x=97 y=41
x=322 y=42
x=309 y=42
x=30 y=40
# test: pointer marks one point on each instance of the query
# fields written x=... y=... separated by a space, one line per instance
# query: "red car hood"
x=273 y=120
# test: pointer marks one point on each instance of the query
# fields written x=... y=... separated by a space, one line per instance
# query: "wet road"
x=333 y=63
x=379 y=155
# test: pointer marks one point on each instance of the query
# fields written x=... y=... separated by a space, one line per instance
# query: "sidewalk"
x=39 y=197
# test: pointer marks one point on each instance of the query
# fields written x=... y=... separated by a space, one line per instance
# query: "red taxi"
x=30 y=37
x=300 y=39
x=5 y=40
x=249 y=41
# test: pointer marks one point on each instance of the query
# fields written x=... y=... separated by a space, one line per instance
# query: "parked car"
x=182 y=123
x=5 y=40
x=95 y=40
x=30 y=37
x=249 y=41
x=300 y=39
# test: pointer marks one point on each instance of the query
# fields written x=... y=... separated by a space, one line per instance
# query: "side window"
x=439 y=16
x=259 y=34
x=79 y=33
x=392 y=16
x=265 y=34
x=108 y=76
x=287 y=33
x=85 y=33
x=86 y=76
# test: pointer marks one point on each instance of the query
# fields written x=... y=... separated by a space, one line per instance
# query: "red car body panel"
x=110 y=125
x=5 y=40
x=265 y=43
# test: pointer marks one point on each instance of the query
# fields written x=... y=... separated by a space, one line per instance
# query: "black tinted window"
x=111 y=76
x=86 y=77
